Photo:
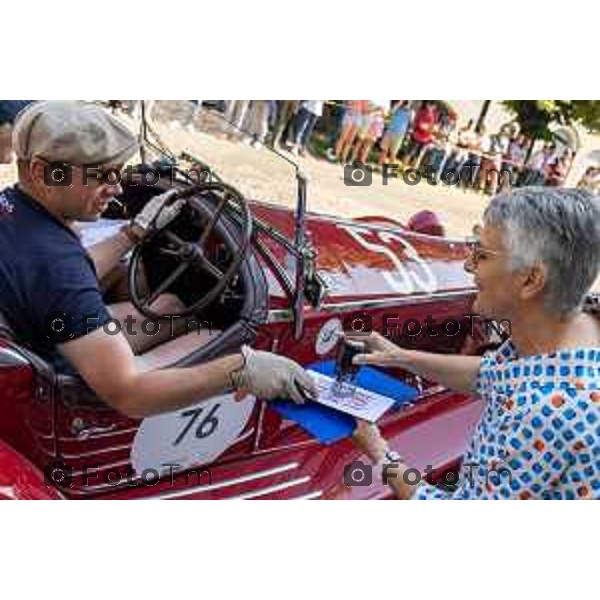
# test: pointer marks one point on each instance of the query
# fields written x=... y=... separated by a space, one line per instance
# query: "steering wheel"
x=187 y=253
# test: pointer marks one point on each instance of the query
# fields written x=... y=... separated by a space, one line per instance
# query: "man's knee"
x=142 y=333
x=168 y=304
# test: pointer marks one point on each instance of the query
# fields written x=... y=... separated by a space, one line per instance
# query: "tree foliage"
x=535 y=116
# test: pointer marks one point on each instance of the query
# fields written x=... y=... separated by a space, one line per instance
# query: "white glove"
x=155 y=214
x=268 y=375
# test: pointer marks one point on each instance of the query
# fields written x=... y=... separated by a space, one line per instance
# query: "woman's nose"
x=470 y=266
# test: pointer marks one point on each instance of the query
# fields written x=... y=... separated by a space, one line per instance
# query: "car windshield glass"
x=233 y=154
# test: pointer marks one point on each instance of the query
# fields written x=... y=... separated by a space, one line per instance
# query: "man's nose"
x=114 y=190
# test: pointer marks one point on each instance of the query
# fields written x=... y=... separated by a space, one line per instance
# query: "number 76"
x=205 y=428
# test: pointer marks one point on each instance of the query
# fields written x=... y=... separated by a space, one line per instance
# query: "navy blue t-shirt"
x=9 y=109
x=49 y=292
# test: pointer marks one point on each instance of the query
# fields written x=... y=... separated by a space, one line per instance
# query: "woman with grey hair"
x=534 y=262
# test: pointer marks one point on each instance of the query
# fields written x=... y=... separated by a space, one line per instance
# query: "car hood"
x=358 y=259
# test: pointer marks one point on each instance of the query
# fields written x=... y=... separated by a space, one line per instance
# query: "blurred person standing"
x=476 y=140
x=513 y=162
x=352 y=122
x=286 y=111
x=235 y=114
x=423 y=132
x=441 y=147
x=535 y=168
x=493 y=148
x=590 y=180
x=306 y=119
x=257 y=123
x=461 y=140
x=556 y=170
x=371 y=130
x=9 y=109
x=336 y=110
x=400 y=119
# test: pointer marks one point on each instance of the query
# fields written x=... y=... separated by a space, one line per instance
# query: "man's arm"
x=107 y=364
x=107 y=253
x=156 y=214
x=456 y=372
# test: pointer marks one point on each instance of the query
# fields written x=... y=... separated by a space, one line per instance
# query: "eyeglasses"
x=479 y=252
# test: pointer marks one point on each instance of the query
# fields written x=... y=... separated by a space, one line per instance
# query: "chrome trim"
x=225 y=484
x=10 y=358
x=310 y=496
x=244 y=436
x=259 y=424
x=118 y=466
x=71 y=456
x=277 y=487
x=285 y=315
x=84 y=432
x=241 y=438
x=8 y=491
x=98 y=435
x=107 y=467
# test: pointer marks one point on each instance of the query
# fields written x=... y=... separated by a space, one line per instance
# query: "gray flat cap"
x=77 y=133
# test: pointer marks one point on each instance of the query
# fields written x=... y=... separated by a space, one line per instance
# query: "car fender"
x=20 y=480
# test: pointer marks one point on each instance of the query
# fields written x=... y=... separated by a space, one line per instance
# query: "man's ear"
x=36 y=169
x=533 y=281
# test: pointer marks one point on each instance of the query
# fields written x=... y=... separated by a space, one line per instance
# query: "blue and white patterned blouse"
x=539 y=436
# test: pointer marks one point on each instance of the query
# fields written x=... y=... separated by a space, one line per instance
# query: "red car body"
x=370 y=267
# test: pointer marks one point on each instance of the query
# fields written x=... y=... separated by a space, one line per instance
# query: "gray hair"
x=559 y=228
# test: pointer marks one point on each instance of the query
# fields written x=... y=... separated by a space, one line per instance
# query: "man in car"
x=45 y=271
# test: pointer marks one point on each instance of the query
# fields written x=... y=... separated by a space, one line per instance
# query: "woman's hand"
x=369 y=440
x=380 y=351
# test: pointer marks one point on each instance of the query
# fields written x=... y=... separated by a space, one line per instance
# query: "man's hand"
x=270 y=376
x=156 y=214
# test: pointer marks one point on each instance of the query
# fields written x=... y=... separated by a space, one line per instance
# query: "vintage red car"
x=278 y=280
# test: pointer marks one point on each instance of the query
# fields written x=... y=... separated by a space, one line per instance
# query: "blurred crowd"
x=280 y=123
x=423 y=135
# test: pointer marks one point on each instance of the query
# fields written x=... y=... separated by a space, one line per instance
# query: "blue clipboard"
x=329 y=425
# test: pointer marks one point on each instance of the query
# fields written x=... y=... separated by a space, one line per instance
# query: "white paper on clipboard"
x=362 y=403
x=94 y=232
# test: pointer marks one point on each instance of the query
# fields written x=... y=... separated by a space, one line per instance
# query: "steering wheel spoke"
x=213 y=221
x=209 y=201
x=211 y=268
x=166 y=284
